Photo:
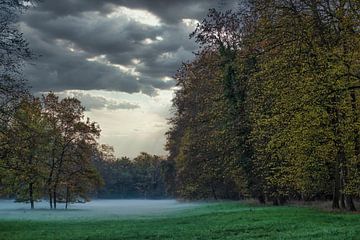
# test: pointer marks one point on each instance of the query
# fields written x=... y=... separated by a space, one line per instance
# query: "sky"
x=118 y=58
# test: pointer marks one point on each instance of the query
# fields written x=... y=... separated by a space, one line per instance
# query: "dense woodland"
x=269 y=109
x=142 y=177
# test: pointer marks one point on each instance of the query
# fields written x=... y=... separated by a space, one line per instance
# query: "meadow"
x=227 y=220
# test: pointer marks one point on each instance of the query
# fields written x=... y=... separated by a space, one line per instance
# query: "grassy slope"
x=216 y=221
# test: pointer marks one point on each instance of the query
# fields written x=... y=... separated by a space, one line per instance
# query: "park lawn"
x=211 y=221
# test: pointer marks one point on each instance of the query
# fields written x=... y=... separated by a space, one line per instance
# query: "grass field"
x=211 y=221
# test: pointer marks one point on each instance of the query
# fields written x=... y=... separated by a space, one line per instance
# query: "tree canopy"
x=269 y=108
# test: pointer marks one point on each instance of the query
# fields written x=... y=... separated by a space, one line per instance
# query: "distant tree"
x=117 y=174
x=168 y=170
x=142 y=177
x=149 y=178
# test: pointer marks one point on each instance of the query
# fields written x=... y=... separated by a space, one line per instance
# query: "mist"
x=94 y=210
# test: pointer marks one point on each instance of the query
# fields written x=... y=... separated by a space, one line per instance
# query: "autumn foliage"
x=270 y=108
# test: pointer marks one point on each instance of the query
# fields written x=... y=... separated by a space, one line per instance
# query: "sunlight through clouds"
x=130 y=122
x=141 y=16
x=118 y=58
x=125 y=69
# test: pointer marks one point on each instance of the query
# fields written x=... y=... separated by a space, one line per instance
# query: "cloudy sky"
x=117 y=57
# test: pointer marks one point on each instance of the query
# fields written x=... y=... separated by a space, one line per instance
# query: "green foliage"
x=273 y=96
x=142 y=177
x=26 y=143
x=204 y=150
x=48 y=150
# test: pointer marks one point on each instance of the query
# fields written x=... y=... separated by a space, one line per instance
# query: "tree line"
x=48 y=148
x=142 y=177
x=51 y=151
x=269 y=108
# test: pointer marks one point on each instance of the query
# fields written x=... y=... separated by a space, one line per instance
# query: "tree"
x=308 y=56
x=49 y=149
x=141 y=177
x=148 y=176
x=202 y=141
x=24 y=166
x=14 y=51
x=270 y=104
x=73 y=141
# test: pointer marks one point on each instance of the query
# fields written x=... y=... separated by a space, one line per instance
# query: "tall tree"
x=24 y=166
x=282 y=91
x=14 y=51
x=73 y=140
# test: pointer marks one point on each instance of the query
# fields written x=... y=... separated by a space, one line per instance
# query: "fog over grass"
x=94 y=210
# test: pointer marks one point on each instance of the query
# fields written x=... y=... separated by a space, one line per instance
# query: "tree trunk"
x=214 y=192
x=261 y=199
x=54 y=198
x=67 y=197
x=50 y=177
x=31 y=195
x=282 y=200
x=334 y=117
x=346 y=200
x=50 y=199
x=336 y=189
x=275 y=201
x=350 y=203
x=349 y=200
x=337 y=177
x=57 y=174
x=31 y=184
x=342 y=201
x=356 y=133
x=335 y=201
x=342 y=186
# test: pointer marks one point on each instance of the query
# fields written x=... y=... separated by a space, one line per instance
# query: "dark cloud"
x=82 y=47
x=169 y=11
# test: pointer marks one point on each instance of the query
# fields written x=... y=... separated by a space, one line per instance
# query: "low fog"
x=94 y=210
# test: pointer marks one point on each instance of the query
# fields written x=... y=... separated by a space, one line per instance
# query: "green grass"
x=213 y=221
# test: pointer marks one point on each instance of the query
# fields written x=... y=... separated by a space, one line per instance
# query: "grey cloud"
x=55 y=27
x=91 y=102
x=58 y=69
x=94 y=33
x=169 y=11
x=66 y=33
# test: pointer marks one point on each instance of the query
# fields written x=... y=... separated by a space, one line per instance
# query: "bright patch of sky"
x=141 y=16
x=138 y=123
x=125 y=69
x=190 y=22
